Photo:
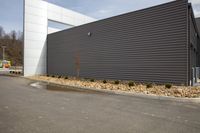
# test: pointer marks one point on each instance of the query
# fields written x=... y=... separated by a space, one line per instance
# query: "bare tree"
x=14 y=46
x=13 y=35
x=77 y=64
x=2 y=32
x=20 y=36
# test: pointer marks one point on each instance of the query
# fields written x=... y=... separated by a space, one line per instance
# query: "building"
x=198 y=23
x=159 y=44
x=38 y=15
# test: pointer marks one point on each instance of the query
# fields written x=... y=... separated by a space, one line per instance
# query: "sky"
x=11 y=11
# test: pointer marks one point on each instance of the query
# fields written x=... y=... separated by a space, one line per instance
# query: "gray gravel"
x=27 y=109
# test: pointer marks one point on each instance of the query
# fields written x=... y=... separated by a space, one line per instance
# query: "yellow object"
x=6 y=64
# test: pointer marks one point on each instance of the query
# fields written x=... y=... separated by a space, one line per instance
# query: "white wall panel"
x=35 y=11
x=36 y=16
x=61 y=14
x=33 y=27
x=32 y=44
x=36 y=3
x=34 y=53
x=35 y=36
x=35 y=19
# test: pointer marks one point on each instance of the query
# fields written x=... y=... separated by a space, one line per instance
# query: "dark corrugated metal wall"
x=198 y=41
x=198 y=23
x=193 y=44
x=149 y=45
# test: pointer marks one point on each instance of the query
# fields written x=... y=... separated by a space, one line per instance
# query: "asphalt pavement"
x=51 y=109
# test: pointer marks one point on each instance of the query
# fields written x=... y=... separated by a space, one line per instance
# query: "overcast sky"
x=11 y=11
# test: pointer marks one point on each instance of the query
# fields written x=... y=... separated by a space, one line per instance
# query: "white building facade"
x=37 y=13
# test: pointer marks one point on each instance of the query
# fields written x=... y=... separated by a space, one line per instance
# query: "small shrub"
x=66 y=77
x=18 y=72
x=168 y=86
x=104 y=81
x=59 y=77
x=116 y=82
x=10 y=71
x=131 y=84
x=150 y=85
x=47 y=75
x=91 y=80
x=52 y=76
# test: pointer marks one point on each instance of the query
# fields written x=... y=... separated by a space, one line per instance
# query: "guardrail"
x=16 y=68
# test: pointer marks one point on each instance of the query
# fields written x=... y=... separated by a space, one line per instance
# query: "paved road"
x=26 y=109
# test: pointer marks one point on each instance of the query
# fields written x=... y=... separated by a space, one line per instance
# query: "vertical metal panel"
x=188 y=48
x=198 y=23
x=198 y=41
x=35 y=34
x=193 y=43
x=149 y=45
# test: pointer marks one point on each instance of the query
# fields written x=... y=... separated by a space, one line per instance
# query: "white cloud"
x=103 y=11
x=195 y=2
x=123 y=6
x=197 y=13
x=196 y=7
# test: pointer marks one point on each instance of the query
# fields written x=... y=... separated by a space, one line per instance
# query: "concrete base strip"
x=119 y=92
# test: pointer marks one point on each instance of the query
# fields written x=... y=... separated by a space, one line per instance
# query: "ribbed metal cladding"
x=198 y=42
x=149 y=45
x=198 y=23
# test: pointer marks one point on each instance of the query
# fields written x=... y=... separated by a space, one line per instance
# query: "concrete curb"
x=150 y=96
x=118 y=92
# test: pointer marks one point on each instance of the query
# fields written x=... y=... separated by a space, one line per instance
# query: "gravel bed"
x=160 y=90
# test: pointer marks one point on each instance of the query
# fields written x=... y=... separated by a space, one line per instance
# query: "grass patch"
x=149 y=85
x=91 y=80
x=168 y=86
x=116 y=82
x=131 y=84
x=104 y=81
